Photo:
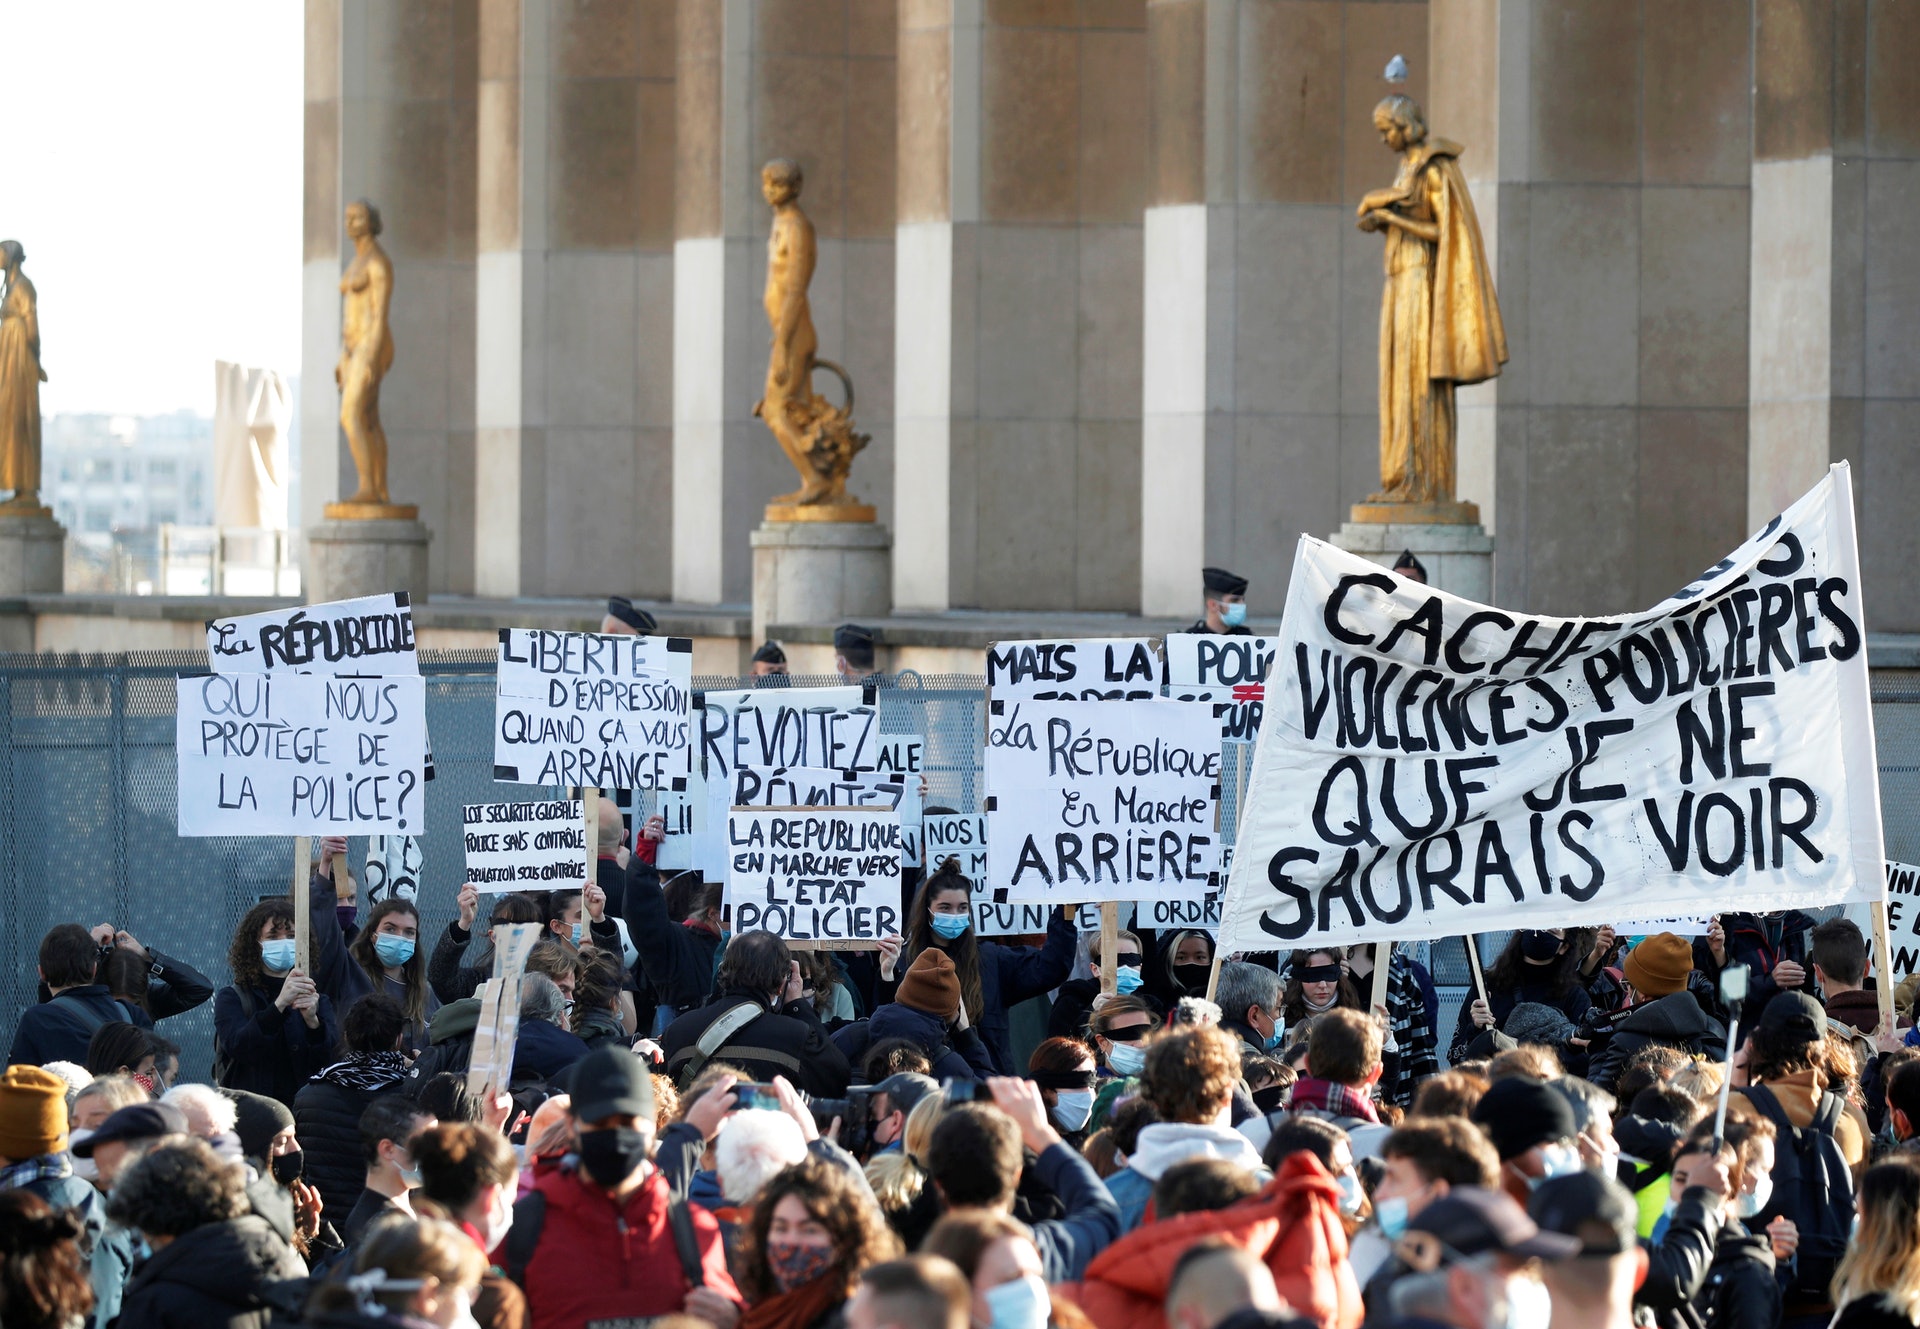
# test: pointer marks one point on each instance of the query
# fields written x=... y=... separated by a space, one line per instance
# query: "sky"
x=153 y=176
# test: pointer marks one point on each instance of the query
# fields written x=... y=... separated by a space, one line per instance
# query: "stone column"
x=1018 y=324
x=810 y=80
x=390 y=117
x=575 y=335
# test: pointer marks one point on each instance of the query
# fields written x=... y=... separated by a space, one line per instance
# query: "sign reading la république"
x=370 y=635
x=1429 y=766
x=582 y=709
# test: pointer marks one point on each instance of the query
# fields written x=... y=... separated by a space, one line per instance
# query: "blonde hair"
x=1698 y=1080
x=1884 y=1257
x=898 y=1175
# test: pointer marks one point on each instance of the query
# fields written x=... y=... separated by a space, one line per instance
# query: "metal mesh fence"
x=87 y=807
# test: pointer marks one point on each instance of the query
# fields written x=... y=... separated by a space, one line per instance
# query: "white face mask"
x=499 y=1219
x=1753 y=1201
x=84 y=1168
x=1072 y=1108
x=1528 y=1304
x=463 y=1318
x=1353 y=1196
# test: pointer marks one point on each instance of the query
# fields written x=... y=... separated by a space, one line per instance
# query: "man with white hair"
x=545 y=1046
x=754 y=1146
x=210 y=1115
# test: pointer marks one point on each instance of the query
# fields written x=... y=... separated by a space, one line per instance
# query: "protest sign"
x=1691 y=925
x=1903 y=916
x=498 y=1027
x=539 y=846
x=833 y=728
x=581 y=709
x=1431 y=766
x=683 y=817
x=963 y=836
x=900 y=754
x=296 y=754
x=1093 y=669
x=1229 y=672
x=394 y=863
x=810 y=786
x=1098 y=801
x=825 y=876
x=371 y=635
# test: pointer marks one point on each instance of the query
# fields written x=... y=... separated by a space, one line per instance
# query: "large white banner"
x=1092 y=800
x=581 y=709
x=371 y=635
x=1430 y=766
x=300 y=754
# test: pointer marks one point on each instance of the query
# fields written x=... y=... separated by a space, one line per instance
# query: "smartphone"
x=760 y=1096
x=964 y=1091
x=1733 y=983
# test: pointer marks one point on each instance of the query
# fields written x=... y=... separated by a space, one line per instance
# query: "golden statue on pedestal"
x=818 y=437
x=366 y=354
x=20 y=380
x=1439 y=320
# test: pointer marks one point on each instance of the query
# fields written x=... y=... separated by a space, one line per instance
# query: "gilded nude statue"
x=20 y=380
x=366 y=354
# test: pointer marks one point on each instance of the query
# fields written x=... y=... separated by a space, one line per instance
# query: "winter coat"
x=1293 y=1225
x=544 y=1050
x=1089 y=1220
x=789 y=1041
x=956 y=1054
x=326 y=1117
x=449 y=1043
x=1010 y=975
x=1678 y=1264
x=1574 y=1005
x=210 y=1277
x=337 y=974
x=176 y=989
x=60 y=1029
x=1675 y=1021
x=676 y=961
x=1740 y=1291
x=271 y=1051
x=1160 y=1146
x=1876 y=1310
x=450 y=979
x=599 y=1261
x=1759 y=943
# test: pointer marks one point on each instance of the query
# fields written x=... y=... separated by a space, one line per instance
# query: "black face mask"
x=288 y=1166
x=1192 y=978
x=610 y=1156
x=1539 y=946
x=1270 y=1099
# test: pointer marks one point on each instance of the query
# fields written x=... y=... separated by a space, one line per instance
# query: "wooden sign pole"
x=1382 y=964
x=590 y=816
x=1882 y=964
x=1213 y=978
x=302 y=928
x=1473 y=959
x=1109 y=944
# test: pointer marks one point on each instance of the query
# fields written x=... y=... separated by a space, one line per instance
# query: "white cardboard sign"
x=537 y=846
x=582 y=709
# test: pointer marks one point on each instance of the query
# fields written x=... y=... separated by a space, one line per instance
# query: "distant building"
x=108 y=474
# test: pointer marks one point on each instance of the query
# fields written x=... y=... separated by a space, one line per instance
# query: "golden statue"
x=366 y=354
x=1439 y=321
x=818 y=437
x=20 y=380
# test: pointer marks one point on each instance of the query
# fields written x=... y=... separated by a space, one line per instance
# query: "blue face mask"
x=1021 y=1304
x=278 y=955
x=1126 y=979
x=1233 y=615
x=1127 y=1058
x=577 y=934
x=1391 y=1215
x=393 y=951
x=1274 y=1039
x=949 y=926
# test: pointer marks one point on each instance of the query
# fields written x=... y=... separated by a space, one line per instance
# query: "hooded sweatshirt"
x=1675 y=1021
x=1165 y=1143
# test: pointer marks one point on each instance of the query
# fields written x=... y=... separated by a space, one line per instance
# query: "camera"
x=856 y=1117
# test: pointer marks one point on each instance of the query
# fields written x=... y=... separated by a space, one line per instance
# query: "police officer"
x=853 y=652
x=1226 y=604
x=625 y=619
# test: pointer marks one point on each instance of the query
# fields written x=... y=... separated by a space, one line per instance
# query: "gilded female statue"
x=20 y=380
x=1439 y=320
x=366 y=353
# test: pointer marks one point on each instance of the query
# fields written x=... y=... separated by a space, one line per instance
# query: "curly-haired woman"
x=43 y=1278
x=272 y=1028
x=812 y=1234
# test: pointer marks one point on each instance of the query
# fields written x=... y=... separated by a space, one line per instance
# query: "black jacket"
x=789 y=1042
x=1759 y=943
x=449 y=1043
x=1574 y=1004
x=1073 y=1007
x=210 y=1277
x=1876 y=1311
x=173 y=988
x=59 y=1030
x=1675 y=1020
x=450 y=979
x=544 y=1051
x=1740 y=1291
x=675 y=960
x=326 y=1117
x=955 y=1054
x=270 y=1051
x=1678 y=1265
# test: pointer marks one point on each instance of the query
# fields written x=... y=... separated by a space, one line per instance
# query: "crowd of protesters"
x=694 y=1128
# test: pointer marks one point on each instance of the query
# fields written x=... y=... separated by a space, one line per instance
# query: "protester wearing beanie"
x=33 y=1142
x=926 y=1009
x=1664 y=1011
x=1532 y=1128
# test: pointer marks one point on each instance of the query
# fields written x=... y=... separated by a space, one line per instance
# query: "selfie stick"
x=1733 y=991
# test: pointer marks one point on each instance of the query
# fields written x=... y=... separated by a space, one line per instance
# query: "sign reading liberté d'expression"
x=821 y=875
x=581 y=709
x=537 y=846
x=313 y=722
x=1431 y=766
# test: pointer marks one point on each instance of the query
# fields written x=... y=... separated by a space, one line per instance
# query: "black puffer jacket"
x=209 y=1278
x=1674 y=1021
x=1678 y=1265
x=326 y=1117
x=267 y=1050
x=789 y=1041
x=1740 y=1291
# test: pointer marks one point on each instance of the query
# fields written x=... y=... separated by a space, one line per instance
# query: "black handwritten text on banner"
x=1429 y=765
x=1903 y=916
x=1091 y=669
x=371 y=635
x=576 y=708
x=819 y=875
x=825 y=727
x=1102 y=801
x=539 y=846
x=300 y=754
x=1230 y=672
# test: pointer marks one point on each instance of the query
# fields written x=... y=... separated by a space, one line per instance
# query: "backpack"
x=223 y=1063
x=530 y=1218
x=1813 y=1186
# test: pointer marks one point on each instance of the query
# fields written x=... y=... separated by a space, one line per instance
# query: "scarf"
x=1328 y=1096
x=799 y=1308
x=368 y=1072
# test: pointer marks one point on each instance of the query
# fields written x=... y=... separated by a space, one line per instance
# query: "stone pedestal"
x=820 y=572
x=347 y=559
x=33 y=553
x=1458 y=556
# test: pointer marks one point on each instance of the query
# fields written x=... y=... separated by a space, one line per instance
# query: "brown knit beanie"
x=33 y=1113
x=1658 y=966
x=931 y=984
